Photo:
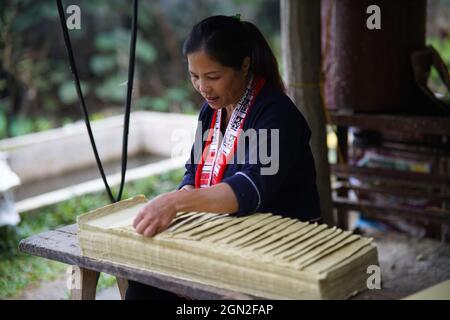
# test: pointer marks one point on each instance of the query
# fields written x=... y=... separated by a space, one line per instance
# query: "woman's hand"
x=157 y=215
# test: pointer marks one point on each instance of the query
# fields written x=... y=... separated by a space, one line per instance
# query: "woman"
x=233 y=68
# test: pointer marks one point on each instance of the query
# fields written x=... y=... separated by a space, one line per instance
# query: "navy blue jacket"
x=292 y=191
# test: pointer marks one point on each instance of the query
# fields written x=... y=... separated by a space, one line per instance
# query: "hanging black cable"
x=73 y=67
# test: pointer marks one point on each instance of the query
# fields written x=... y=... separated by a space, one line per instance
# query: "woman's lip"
x=212 y=100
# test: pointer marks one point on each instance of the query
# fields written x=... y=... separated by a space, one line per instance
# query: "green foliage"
x=96 y=116
x=177 y=94
x=102 y=63
x=173 y=97
x=105 y=281
x=42 y=124
x=35 y=59
x=106 y=41
x=143 y=103
x=32 y=15
x=188 y=108
x=3 y=84
x=160 y=104
x=113 y=89
x=19 y=271
x=24 y=271
x=442 y=45
x=145 y=51
x=67 y=91
x=119 y=41
x=21 y=125
x=114 y=48
x=2 y=120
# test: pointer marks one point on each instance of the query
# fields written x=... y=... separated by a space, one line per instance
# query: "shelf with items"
x=430 y=184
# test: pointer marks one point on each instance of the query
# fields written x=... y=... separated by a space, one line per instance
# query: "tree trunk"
x=300 y=33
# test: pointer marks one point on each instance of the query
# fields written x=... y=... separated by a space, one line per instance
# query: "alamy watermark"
x=254 y=146
x=374 y=20
x=74 y=19
x=374 y=280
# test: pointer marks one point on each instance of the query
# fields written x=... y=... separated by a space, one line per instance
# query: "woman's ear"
x=246 y=65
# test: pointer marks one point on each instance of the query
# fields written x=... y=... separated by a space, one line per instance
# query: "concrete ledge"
x=42 y=155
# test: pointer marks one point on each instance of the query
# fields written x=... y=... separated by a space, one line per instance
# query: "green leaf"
x=3 y=84
x=111 y=90
x=177 y=94
x=188 y=108
x=68 y=94
x=42 y=124
x=96 y=116
x=105 y=41
x=145 y=51
x=143 y=103
x=101 y=64
x=21 y=126
x=160 y=104
x=3 y=105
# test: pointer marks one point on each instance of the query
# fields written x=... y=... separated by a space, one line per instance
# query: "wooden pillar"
x=83 y=283
x=342 y=213
x=122 y=283
x=300 y=34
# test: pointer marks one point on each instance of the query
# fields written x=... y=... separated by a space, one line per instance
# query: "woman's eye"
x=208 y=78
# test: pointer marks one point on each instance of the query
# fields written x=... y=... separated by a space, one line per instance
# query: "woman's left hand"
x=156 y=215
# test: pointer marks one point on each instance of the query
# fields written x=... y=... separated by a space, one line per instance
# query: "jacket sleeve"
x=279 y=151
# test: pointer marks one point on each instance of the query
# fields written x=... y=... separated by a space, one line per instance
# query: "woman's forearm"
x=219 y=198
x=158 y=213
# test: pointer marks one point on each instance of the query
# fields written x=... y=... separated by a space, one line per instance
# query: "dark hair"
x=229 y=41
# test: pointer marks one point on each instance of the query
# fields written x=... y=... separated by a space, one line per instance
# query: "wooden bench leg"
x=84 y=283
x=122 y=283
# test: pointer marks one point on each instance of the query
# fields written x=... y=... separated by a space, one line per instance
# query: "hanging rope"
x=73 y=67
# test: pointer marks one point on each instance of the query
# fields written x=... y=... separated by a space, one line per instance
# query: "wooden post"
x=342 y=213
x=83 y=283
x=122 y=283
x=300 y=34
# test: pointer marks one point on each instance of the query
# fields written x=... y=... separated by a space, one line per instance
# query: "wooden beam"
x=391 y=122
x=371 y=210
x=300 y=33
x=412 y=178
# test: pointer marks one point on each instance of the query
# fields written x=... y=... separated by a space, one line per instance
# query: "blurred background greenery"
x=36 y=87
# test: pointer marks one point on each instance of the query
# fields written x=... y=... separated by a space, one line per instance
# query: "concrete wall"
x=53 y=152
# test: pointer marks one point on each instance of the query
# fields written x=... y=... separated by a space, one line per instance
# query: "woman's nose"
x=203 y=87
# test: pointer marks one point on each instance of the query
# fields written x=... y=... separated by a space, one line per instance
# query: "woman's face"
x=221 y=86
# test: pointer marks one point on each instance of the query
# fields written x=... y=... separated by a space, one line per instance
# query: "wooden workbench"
x=62 y=245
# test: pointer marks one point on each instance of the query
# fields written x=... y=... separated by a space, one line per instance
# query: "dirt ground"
x=407 y=265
